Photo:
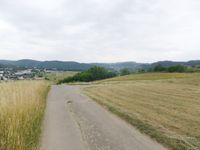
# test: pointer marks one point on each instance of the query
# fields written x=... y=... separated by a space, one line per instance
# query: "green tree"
x=92 y=74
x=159 y=68
x=177 y=68
x=124 y=72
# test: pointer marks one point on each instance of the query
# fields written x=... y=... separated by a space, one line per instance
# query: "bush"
x=124 y=72
x=159 y=68
x=177 y=68
x=92 y=74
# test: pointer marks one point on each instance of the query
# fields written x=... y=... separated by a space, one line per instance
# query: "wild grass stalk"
x=22 y=106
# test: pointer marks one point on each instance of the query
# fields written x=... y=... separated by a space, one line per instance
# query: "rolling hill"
x=58 y=65
x=76 y=66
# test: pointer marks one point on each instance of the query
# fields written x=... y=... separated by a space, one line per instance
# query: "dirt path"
x=75 y=122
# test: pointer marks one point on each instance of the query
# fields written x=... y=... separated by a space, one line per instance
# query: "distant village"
x=26 y=74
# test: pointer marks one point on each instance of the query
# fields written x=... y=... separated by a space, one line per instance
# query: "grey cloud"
x=100 y=30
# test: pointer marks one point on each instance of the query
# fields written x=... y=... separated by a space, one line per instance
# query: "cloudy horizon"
x=100 y=30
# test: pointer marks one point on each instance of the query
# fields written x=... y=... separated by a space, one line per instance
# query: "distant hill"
x=58 y=65
x=120 y=65
x=193 y=63
x=172 y=63
x=70 y=65
x=75 y=66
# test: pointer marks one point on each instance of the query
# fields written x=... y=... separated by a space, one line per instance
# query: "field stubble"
x=164 y=106
x=60 y=75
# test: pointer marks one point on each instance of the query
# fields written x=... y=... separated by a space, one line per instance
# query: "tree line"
x=175 y=68
x=99 y=73
x=92 y=74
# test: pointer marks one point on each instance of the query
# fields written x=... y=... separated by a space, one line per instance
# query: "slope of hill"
x=75 y=66
x=59 y=65
x=172 y=63
x=162 y=105
x=70 y=65
x=193 y=63
x=120 y=65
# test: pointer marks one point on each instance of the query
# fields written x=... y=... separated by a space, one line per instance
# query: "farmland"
x=59 y=75
x=165 y=106
x=22 y=106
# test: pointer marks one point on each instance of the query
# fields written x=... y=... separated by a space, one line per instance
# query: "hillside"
x=70 y=65
x=58 y=65
x=172 y=63
x=162 y=105
x=120 y=65
x=76 y=66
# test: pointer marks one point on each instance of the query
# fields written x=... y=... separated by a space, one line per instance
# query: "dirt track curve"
x=75 y=122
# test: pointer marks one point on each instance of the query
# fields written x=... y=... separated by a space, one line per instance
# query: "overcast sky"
x=100 y=30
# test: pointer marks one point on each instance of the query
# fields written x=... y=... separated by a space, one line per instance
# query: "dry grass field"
x=22 y=106
x=162 y=105
x=56 y=76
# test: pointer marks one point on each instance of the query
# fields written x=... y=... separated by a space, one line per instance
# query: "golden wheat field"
x=22 y=106
x=164 y=106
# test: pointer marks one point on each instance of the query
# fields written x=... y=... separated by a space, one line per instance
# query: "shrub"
x=177 y=68
x=124 y=72
x=159 y=68
x=92 y=74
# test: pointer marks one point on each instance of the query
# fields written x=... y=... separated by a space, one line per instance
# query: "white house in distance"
x=24 y=72
x=1 y=75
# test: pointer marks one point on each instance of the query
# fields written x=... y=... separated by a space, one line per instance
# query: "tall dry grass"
x=21 y=110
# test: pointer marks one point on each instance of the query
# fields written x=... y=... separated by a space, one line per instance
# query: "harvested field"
x=164 y=106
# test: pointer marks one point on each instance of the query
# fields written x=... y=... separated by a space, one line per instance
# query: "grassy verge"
x=22 y=107
x=152 y=76
x=166 y=109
